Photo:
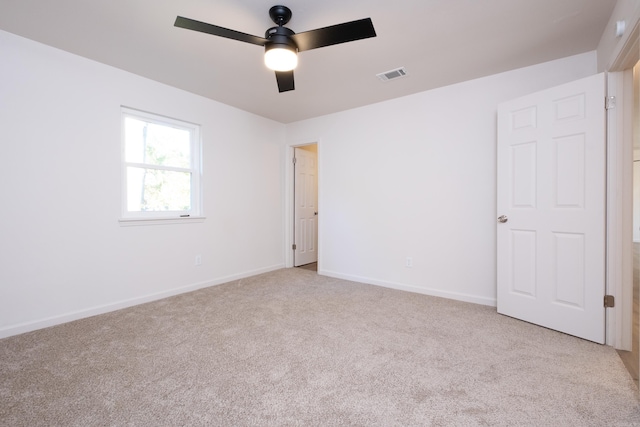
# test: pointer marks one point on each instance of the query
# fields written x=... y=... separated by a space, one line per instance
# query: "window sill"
x=132 y=222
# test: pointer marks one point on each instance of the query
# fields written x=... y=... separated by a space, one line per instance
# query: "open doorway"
x=305 y=207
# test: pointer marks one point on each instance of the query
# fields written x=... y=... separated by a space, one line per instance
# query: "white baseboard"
x=411 y=288
x=21 y=328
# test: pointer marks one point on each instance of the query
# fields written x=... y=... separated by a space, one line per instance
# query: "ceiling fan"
x=282 y=45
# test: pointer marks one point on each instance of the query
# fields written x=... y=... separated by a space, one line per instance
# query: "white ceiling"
x=440 y=42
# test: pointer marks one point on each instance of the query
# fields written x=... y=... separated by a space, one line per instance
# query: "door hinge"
x=609 y=102
x=609 y=301
x=294 y=160
x=294 y=247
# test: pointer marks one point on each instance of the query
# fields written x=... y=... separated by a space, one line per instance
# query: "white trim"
x=106 y=308
x=160 y=119
x=618 y=261
x=619 y=319
x=458 y=296
x=130 y=222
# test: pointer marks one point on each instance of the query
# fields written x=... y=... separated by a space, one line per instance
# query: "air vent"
x=392 y=74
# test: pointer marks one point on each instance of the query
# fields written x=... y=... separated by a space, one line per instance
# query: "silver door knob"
x=503 y=219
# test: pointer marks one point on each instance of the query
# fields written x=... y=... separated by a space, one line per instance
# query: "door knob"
x=315 y=213
x=503 y=219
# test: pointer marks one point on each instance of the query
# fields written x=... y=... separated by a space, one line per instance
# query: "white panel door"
x=551 y=207
x=306 y=207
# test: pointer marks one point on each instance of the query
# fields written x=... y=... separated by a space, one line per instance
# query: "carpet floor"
x=293 y=348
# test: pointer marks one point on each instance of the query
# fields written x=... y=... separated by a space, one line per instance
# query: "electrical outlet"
x=409 y=262
x=198 y=260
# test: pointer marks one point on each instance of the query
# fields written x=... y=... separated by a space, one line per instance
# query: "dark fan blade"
x=285 y=81
x=203 y=27
x=335 y=34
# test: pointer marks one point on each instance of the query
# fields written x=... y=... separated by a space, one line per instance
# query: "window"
x=161 y=167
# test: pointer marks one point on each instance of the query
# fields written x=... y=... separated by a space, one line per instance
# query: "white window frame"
x=195 y=169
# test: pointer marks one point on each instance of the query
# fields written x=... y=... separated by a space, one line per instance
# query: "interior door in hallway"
x=306 y=207
x=551 y=207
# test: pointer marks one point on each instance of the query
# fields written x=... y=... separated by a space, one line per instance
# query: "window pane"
x=156 y=144
x=158 y=190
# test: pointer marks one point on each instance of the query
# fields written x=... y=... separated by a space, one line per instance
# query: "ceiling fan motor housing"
x=280 y=37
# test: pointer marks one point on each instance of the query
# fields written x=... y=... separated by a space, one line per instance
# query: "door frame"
x=619 y=250
x=289 y=214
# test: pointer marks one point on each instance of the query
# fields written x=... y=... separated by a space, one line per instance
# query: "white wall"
x=409 y=177
x=63 y=254
x=416 y=177
x=612 y=49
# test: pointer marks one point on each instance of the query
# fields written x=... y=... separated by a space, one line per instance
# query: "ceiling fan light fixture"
x=280 y=57
x=282 y=44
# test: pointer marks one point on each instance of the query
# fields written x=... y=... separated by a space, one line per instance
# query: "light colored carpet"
x=294 y=348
